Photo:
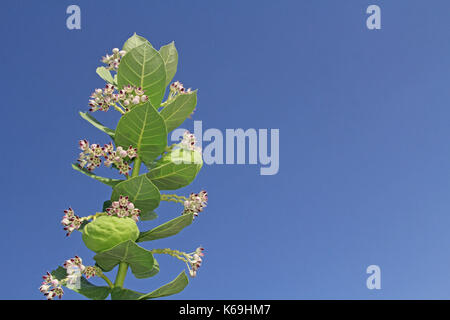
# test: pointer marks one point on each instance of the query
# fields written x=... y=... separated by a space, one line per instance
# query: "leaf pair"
x=143 y=66
x=142 y=265
x=168 y=53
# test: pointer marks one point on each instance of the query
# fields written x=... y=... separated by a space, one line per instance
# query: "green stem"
x=183 y=256
x=119 y=109
x=121 y=274
x=123 y=266
x=173 y=197
x=110 y=284
x=174 y=253
x=136 y=167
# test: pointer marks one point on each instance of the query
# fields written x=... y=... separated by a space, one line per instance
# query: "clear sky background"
x=364 y=143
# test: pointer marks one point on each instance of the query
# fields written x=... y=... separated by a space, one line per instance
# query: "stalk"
x=136 y=167
x=121 y=274
x=110 y=284
x=123 y=266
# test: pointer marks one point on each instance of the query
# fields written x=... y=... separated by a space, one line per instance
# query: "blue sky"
x=364 y=154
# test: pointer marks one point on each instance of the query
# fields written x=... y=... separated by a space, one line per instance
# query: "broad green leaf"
x=144 y=129
x=167 y=229
x=175 y=286
x=139 y=259
x=97 y=124
x=141 y=191
x=144 y=67
x=107 y=181
x=87 y=289
x=134 y=41
x=146 y=216
x=170 y=56
x=105 y=74
x=124 y=294
x=179 y=109
x=176 y=169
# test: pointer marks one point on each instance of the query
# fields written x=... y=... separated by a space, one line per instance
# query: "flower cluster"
x=74 y=263
x=113 y=60
x=92 y=154
x=177 y=88
x=131 y=95
x=188 y=142
x=51 y=287
x=123 y=208
x=70 y=221
x=196 y=202
x=116 y=157
x=103 y=99
x=195 y=261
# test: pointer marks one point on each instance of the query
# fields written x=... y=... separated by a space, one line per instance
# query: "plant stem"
x=183 y=256
x=119 y=109
x=123 y=266
x=110 y=284
x=173 y=198
x=136 y=167
x=121 y=274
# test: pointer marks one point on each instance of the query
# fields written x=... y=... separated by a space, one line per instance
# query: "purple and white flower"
x=70 y=221
x=196 y=203
x=123 y=208
x=113 y=61
x=195 y=261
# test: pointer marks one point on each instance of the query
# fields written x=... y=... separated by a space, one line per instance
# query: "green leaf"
x=179 y=109
x=147 y=216
x=144 y=129
x=141 y=191
x=87 y=289
x=105 y=74
x=124 y=294
x=176 y=169
x=170 y=56
x=139 y=259
x=175 y=286
x=167 y=229
x=144 y=67
x=97 y=124
x=107 y=181
x=134 y=41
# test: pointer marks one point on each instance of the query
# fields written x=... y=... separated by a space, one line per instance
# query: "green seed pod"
x=106 y=232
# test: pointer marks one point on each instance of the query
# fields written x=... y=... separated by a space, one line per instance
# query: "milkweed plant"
x=136 y=79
